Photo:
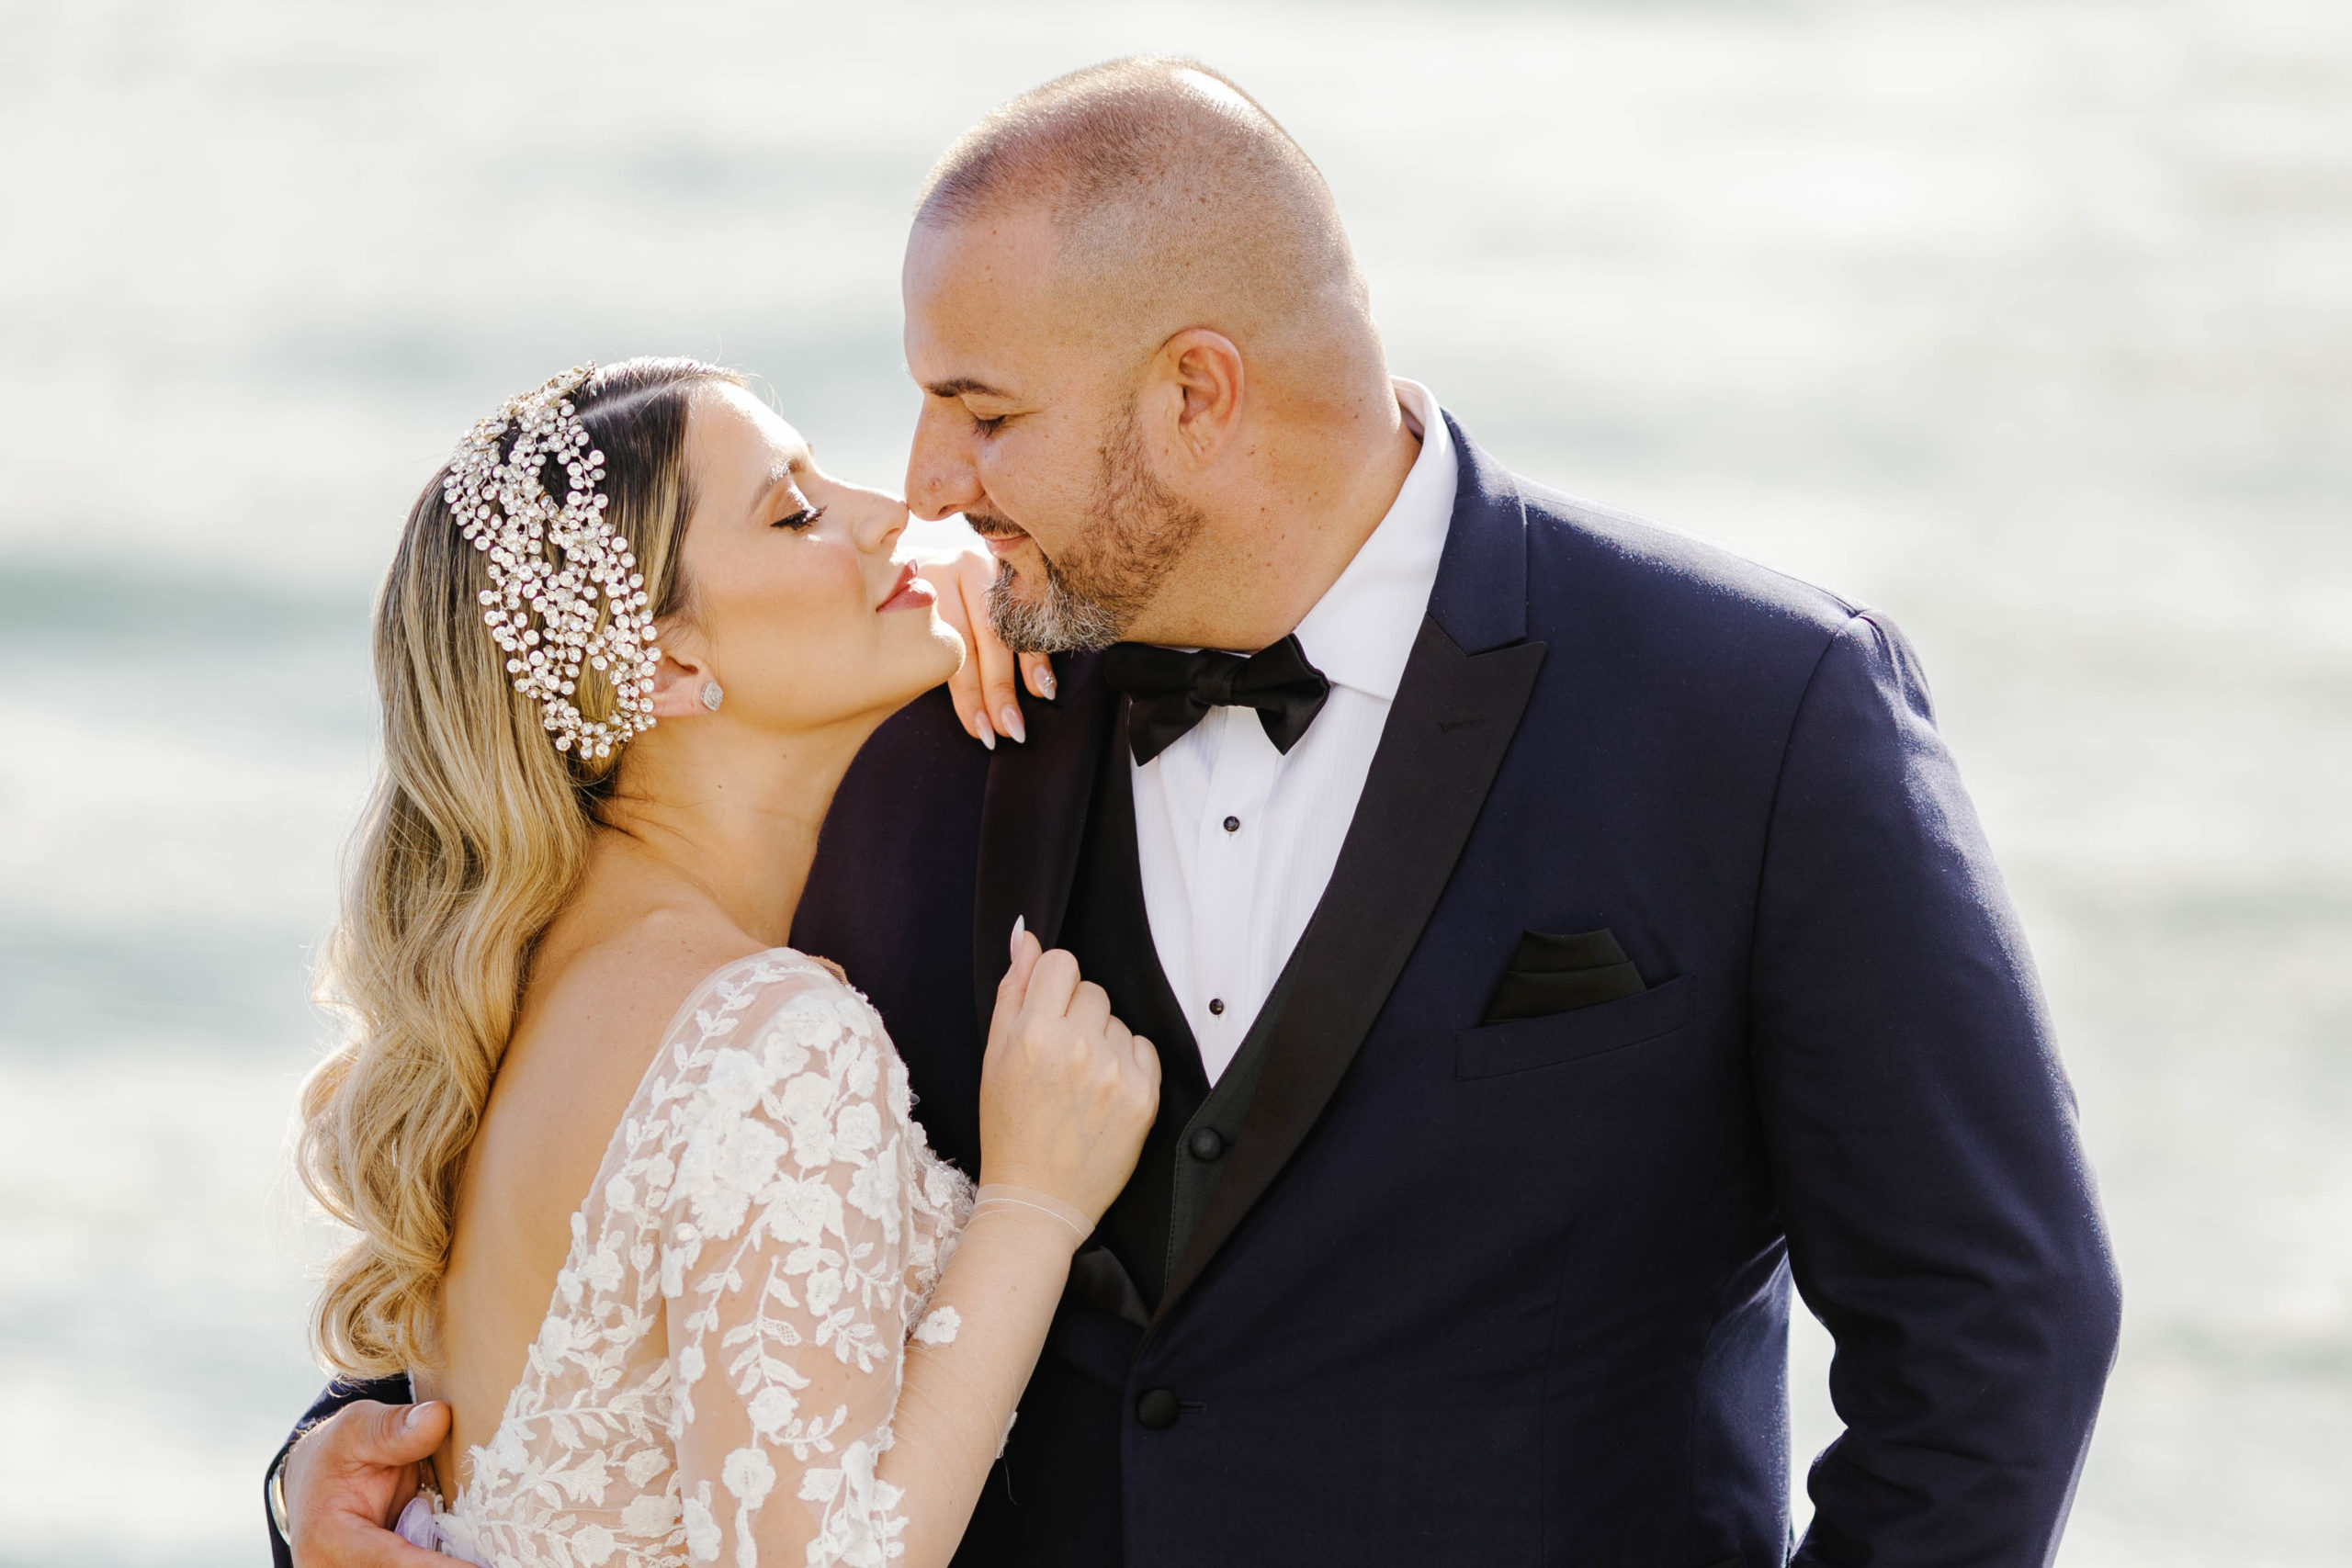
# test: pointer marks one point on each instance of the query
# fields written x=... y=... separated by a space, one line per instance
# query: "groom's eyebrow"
x=962 y=386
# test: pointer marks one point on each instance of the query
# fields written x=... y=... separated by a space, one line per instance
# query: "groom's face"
x=1030 y=429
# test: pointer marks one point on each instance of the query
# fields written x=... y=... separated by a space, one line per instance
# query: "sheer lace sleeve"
x=798 y=1234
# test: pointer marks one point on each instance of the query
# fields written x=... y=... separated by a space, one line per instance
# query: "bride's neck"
x=732 y=812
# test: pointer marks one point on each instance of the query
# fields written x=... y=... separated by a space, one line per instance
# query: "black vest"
x=1108 y=927
x=1109 y=930
x=1055 y=1500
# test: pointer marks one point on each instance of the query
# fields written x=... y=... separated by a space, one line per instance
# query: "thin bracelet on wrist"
x=999 y=1196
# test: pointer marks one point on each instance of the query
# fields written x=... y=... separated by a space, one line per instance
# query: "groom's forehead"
x=984 y=285
x=1008 y=243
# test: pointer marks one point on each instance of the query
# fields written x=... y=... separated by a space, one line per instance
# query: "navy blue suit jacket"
x=1518 y=1291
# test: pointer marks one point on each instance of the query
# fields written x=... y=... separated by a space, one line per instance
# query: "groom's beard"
x=1089 y=599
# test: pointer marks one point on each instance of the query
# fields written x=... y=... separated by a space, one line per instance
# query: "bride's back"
x=605 y=981
x=544 y=876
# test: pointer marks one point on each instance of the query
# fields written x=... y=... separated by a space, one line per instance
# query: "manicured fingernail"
x=1011 y=724
x=981 y=732
x=1020 y=924
x=1046 y=688
x=415 y=1416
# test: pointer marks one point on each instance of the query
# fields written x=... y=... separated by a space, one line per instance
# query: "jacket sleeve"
x=1940 y=1217
x=333 y=1397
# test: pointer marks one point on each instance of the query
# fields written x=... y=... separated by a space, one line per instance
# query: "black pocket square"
x=1552 y=973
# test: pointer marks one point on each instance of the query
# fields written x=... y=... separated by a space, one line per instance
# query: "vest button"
x=1216 y=1006
x=1156 y=1409
x=1207 y=1144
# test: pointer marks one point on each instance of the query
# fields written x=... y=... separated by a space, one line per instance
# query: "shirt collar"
x=1360 y=633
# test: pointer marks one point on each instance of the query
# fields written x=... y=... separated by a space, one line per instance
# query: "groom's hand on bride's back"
x=985 y=690
x=347 y=1480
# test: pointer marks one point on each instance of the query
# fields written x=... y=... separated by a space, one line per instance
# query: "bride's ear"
x=684 y=670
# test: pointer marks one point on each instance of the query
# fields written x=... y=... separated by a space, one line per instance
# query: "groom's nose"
x=942 y=478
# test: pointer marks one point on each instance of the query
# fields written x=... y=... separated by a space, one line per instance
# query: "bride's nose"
x=880 y=520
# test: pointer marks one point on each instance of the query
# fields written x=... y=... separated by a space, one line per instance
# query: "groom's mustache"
x=999 y=531
x=988 y=525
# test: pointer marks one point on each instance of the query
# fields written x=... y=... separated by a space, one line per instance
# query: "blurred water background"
x=2028 y=323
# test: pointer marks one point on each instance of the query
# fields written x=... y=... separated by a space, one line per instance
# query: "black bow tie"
x=1172 y=692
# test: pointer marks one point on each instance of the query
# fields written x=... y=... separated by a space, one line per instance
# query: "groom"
x=1559 y=936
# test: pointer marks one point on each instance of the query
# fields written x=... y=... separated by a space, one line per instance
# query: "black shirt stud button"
x=1216 y=1006
x=1233 y=824
x=1156 y=1409
x=1207 y=1144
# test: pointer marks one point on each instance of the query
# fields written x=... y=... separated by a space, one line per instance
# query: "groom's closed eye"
x=992 y=414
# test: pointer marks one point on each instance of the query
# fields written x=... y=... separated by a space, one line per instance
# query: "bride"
x=637 y=1189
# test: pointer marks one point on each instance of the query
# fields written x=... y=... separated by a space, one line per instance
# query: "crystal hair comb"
x=552 y=563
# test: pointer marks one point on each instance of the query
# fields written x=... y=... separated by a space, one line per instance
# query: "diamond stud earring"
x=711 y=696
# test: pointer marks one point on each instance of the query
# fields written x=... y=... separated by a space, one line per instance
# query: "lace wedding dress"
x=728 y=1336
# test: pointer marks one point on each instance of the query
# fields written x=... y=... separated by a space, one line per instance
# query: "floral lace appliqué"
x=717 y=1373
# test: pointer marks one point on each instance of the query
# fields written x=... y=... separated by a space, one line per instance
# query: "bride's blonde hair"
x=477 y=833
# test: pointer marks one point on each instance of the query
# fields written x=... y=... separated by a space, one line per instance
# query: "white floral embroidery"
x=729 y=1329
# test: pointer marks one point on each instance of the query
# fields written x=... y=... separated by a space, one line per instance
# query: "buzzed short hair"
x=1131 y=153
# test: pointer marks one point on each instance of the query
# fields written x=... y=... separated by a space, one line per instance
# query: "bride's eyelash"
x=805 y=518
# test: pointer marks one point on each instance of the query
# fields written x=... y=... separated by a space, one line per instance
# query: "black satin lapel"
x=1033 y=820
x=1453 y=718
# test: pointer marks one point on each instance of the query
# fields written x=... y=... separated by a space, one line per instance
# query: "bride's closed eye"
x=804 y=519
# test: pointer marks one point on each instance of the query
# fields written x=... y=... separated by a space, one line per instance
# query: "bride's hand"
x=1066 y=1092
x=983 y=689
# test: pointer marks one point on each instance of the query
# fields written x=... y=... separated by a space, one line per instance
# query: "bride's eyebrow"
x=781 y=475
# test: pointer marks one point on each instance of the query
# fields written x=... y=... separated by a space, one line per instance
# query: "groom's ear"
x=1202 y=370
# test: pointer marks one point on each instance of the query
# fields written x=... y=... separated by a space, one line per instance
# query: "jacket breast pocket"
x=1529 y=1043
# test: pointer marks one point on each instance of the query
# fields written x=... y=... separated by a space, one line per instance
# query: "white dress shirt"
x=1237 y=841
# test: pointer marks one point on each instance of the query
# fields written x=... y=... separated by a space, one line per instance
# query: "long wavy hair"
x=476 y=834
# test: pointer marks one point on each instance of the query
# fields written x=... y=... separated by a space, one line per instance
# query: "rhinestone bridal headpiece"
x=550 y=562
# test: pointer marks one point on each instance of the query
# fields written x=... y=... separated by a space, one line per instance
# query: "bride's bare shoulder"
x=614 y=991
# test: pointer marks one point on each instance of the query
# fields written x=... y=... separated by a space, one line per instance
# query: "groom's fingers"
x=387 y=1435
x=346 y=1479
